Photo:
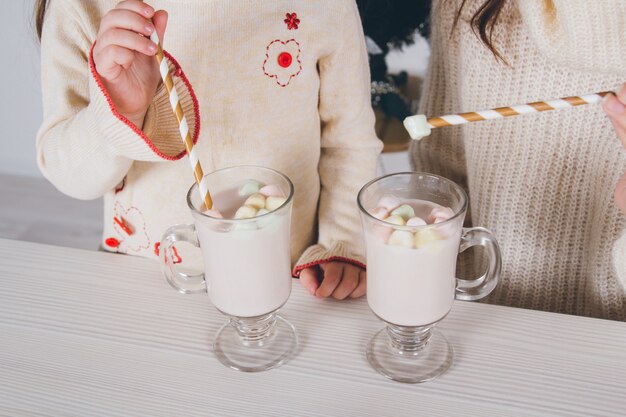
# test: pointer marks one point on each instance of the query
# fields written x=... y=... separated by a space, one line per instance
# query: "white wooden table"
x=86 y=333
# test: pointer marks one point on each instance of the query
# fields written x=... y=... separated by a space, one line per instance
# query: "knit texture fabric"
x=306 y=115
x=542 y=183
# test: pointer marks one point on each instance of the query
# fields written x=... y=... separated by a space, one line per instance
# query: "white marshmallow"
x=416 y=221
x=402 y=238
x=417 y=126
x=425 y=237
x=245 y=212
x=440 y=214
x=389 y=202
x=272 y=191
x=397 y=220
x=249 y=188
x=272 y=203
x=405 y=211
x=380 y=213
x=255 y=200
x=214 y=213
x=262 y=212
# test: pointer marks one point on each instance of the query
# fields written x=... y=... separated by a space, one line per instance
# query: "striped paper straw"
x=500 y=112
x=182 y=123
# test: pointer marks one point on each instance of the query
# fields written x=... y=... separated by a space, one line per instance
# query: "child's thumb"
x=160 y=22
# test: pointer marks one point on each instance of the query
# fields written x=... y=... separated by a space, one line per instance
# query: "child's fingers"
x=114 y=56
x=620 y=194
x=160 y=22
x=127 y=39
x=126 y=19
x=308 y=279
x=349 y=282
x=332 y=275
x=136 y=6
x=360 y=290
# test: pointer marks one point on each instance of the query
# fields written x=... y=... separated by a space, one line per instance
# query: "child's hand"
x=125 y=61
x=615 y=107
x=338 y=279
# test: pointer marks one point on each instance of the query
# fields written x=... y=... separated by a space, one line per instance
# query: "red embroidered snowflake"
x=282 y=61
x=292 y=21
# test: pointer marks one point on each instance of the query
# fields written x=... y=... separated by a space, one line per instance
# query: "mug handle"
x=475 y=289
x=184 y=283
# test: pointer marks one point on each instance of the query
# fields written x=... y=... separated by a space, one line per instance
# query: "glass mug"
x=412 y=288
x=247 y=269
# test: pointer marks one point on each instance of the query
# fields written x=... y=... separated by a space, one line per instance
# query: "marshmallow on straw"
x=182 y=123
x=419 y=126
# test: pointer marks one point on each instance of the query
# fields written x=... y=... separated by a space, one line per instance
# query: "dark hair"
x=484 y=21
x=40 y=12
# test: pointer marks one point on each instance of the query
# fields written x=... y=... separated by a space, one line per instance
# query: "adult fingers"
x=616 y=110
x=620 y=194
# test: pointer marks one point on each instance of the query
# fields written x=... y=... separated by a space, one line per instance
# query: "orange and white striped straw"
x=183 y=127
x=500 y=112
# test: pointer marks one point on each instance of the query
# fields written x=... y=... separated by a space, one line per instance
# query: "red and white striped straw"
x=500 y=112
x=183 y=127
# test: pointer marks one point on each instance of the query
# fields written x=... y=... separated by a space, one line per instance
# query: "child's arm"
x=348 y=158
x=87 y=144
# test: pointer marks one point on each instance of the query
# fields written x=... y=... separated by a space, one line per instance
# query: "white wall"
x=20 y=100
x=412 y=59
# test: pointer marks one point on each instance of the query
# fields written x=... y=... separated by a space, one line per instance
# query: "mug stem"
x=408 y=340
x=254 y=330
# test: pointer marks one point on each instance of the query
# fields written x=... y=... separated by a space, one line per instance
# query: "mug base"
x=412 y=367
x=242 y=353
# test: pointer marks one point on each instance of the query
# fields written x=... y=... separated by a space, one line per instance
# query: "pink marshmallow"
x=271 y=191
x=440 y=214
x=416 y=221
x=389 y=202
x=214 y=213
x=380 y=213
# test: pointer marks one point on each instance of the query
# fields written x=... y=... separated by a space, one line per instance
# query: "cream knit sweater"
x=310 y=119
x=542 y=183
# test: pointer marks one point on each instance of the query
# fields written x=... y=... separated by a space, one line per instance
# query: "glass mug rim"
x=283 y=207
x=458 y=213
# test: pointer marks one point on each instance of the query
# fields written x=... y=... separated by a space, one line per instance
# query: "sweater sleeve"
x=84 y=146
x=561 y=30
x=349 y=147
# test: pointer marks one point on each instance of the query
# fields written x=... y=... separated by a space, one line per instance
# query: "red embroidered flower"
x=282 y=61
x=292 y=20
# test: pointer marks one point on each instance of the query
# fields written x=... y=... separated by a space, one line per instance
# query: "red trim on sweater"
x=298 y=268
x=139 y=132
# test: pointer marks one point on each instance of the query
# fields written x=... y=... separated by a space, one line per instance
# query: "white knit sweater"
x=311 y=120
x=542 y=183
